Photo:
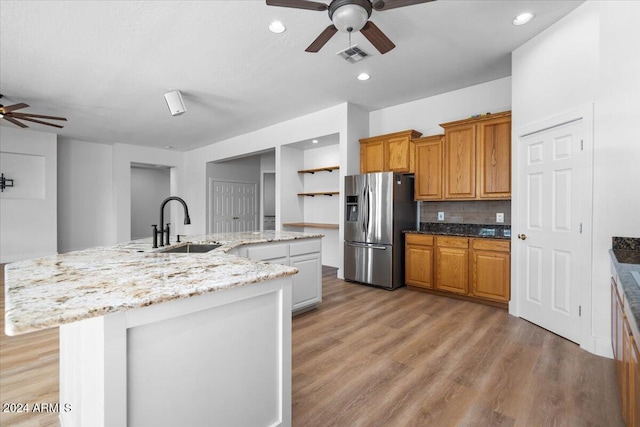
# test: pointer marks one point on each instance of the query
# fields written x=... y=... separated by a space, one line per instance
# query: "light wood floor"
x=370 y=357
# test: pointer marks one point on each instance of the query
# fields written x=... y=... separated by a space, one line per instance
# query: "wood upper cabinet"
x=477 y=158
x=460 y=162
x=372 y=157
x=388 y=153
x=419 y=260
x=452 y=264
x=428 y=168
x=490 y=269
x=494 y=158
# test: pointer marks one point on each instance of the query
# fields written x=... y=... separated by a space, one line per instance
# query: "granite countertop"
x=625 y=257
x=47 y=292
x=484 y=231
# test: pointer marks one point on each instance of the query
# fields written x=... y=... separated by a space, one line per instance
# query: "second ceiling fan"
x=349 y=16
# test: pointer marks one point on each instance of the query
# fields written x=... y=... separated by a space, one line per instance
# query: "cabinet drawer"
x=419 y=239
x=491 y=245
x=260 y=253
x=453 y=242
x=305 y=247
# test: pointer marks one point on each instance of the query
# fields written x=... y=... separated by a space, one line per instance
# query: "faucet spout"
x=163 y=230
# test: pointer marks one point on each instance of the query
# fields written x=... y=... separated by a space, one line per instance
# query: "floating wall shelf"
x=321 y=193
x=325 y=169
x=310 y=225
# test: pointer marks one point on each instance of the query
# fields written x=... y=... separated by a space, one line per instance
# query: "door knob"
x=522 y=236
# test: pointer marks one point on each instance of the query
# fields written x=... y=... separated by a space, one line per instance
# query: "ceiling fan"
x=9 y=114
x=349 y=16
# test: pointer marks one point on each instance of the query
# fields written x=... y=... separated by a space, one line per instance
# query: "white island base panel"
x=218 y=359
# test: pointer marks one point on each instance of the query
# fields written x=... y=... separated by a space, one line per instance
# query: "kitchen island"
x=155 y=338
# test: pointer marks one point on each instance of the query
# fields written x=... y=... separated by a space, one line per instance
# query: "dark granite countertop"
x=626 y=258
x=484 y=231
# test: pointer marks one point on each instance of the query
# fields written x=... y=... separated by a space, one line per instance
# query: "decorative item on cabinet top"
x=393 y=152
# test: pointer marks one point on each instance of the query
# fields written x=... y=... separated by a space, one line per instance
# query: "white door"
x=232 y=206
x=554 y=206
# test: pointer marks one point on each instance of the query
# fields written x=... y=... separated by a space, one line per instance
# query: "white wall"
x=591 y=56
x=94 y=206
x=85 y=195
x=28 y=214
x=149 y=187
x=123 y=156
x=324 y=122
x=425 y=115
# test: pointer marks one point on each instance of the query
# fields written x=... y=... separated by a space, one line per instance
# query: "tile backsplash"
x=466 y=212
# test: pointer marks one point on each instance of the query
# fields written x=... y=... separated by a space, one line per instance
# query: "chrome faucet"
x=165 y=229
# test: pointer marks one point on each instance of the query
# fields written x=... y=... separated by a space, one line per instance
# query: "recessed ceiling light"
x=277 y=27
x=523 y=18
x=315 y=141
x=364 y=76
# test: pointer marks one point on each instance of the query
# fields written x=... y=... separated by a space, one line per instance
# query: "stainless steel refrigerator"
x=378 y=207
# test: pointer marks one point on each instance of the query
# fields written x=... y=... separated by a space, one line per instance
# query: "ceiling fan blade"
x=392 y=4
x=39 y=121
x=15 y=122
x=37 y=116
x=13 y=107
x=322 y=39
x=299 y=4
x=377 y=37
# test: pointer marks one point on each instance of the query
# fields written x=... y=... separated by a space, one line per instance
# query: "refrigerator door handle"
x=366 y=245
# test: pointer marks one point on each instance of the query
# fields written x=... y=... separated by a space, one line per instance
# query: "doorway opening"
x=150 y=185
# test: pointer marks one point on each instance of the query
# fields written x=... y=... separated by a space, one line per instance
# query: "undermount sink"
x=193 y=248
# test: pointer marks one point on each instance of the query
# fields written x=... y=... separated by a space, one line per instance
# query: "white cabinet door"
x=307 y=284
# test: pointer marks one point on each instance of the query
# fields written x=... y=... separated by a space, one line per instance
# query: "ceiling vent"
x=353 y=54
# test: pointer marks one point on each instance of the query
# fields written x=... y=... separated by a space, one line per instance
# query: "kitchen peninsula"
x=149 y=337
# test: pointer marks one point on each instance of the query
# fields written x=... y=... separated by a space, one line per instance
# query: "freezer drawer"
x=369 y=263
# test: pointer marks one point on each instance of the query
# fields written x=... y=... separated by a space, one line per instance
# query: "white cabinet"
x=306 y=256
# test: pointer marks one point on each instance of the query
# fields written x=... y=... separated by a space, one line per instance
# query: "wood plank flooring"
x=370 y=357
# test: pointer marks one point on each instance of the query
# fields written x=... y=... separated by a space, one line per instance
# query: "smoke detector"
x=353 y=54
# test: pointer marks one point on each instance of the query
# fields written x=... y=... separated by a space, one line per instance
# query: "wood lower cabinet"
x=452 y=264
x=627 y=359
x=419 y=260
x=393 y=152
x=491 y=269
x=476 y=269
x=428 y=165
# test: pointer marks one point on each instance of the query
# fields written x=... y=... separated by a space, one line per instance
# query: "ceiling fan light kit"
x=349 y=16
x=175 y=103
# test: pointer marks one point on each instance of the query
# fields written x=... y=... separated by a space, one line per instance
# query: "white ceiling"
x=105 y=65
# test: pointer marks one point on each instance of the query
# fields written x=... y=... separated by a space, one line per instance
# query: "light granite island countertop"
x=142 y=330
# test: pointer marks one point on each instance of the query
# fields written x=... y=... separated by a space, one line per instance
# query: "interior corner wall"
x=616 y=207
x=28 y=216
x=585 y=58
x=425 y=115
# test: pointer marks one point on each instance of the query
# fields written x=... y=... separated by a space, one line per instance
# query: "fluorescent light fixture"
x=363 y=76
x=523 y=18
x=277 y=27
x=175 y=103
x=315 y=141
